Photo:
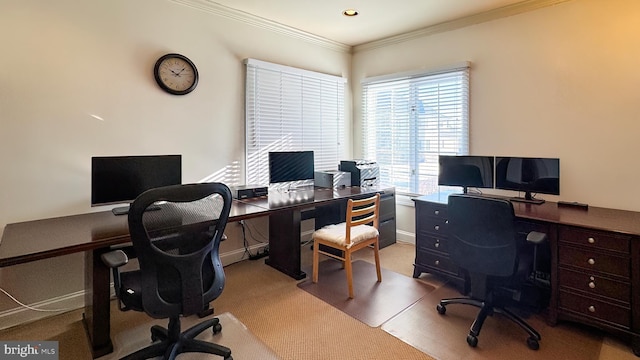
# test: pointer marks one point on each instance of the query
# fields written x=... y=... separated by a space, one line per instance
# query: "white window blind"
x=290 y=109
x=410 y=119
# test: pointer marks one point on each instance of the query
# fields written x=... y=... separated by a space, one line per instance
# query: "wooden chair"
x=360 y=230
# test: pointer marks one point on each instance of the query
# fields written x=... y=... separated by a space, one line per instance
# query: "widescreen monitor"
x=120 y=179
x=465 y=171
x=528 y=175
x=289 y=166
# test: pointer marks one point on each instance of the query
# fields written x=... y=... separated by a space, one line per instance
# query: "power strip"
x=264 y=252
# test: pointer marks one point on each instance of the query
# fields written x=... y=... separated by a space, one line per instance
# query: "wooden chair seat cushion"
x=336 y=233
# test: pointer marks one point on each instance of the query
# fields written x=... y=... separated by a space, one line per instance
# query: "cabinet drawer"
x=595 y=309
x=594 y=284
x=432 y=225
x=433 y=243
x=595 y=239
x=436 y=261
x=594 y=261
x=431 y=210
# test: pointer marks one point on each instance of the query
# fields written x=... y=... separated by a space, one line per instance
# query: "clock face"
x=176 y=74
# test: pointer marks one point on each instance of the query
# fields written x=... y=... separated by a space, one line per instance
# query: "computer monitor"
x=120 y=179
x=289 y=166
x=529 y=175
x=465 y=171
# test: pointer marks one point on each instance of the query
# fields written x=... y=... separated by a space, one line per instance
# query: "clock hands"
x=177 y=73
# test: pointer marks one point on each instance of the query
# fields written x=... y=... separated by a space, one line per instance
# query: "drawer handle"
x=592 y=309
x=591 y=261
x=592 y=285
x=591 y=240
x=437 y=212
x=437 y=262
x=437 y=227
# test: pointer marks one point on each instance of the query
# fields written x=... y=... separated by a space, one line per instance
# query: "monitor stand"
x=528 y=198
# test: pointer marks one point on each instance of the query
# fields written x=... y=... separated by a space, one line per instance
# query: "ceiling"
x=377 y=19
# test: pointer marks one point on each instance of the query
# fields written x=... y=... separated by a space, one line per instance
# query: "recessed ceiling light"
x=350 y=12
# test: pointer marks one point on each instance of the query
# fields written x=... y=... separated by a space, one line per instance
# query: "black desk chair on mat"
x=485 y=244
x=176 y=232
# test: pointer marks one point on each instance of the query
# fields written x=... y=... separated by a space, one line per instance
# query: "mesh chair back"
x=483 y=235
x=176 y=232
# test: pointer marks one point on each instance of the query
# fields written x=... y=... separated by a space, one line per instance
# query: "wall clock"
x=176 y=74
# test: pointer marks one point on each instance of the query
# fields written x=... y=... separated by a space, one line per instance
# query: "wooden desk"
x=92 y=233
x=285 y=215
x=95 y=233
x=595 y=260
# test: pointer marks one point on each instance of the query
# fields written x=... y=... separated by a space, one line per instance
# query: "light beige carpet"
x=234 y=335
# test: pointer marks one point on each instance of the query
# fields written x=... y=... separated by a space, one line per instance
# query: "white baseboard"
x=235 y=256
x=21 y=315
x=406 y=236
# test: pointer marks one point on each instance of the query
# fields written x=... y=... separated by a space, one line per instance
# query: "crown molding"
x=214 y=8
x=259 y=22
x=502 y=12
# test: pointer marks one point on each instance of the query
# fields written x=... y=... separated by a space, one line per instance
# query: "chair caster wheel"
x=533 y=344
x=217 y=328
x=441 y=309
x=472 y=340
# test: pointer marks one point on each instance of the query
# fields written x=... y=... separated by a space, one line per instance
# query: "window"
x=410 y=119
x=290 y=109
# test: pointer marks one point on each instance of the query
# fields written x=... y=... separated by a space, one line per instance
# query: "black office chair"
x=484 y=242
x=176 y=232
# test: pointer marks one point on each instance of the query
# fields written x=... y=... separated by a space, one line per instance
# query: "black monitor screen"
x=466 y=171
x=120 y=179
x=531 y=175
x=285 y=166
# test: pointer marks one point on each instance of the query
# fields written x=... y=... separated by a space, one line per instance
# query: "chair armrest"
x=114 y=259
x=536 y=238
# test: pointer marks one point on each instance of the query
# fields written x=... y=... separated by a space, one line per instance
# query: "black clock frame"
x=156 y=74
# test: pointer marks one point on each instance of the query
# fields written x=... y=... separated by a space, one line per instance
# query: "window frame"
x=291 y=109
x=400 y=118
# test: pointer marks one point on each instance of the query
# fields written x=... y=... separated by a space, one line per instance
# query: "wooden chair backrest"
x=362 y=212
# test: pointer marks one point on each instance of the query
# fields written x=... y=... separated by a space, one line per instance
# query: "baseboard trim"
x=237 y=255
x=22 y=315
x=406 y=236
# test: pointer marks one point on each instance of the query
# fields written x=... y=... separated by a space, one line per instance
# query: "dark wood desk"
x=285 y=215
x=95 y=233
x=595 y=260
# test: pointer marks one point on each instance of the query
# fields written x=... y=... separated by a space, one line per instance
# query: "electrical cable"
x=31 y=307
x=265 y=238
x=245 y=243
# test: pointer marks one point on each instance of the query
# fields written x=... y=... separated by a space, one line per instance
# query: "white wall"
x=67 y=62
x=562 y=81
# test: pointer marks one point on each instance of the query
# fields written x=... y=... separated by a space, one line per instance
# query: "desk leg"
x=96 y=317
x=284 y=243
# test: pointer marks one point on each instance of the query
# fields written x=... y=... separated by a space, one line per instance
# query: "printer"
x=363 y=172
